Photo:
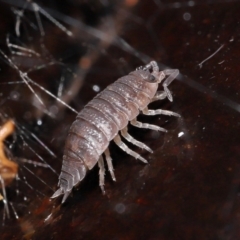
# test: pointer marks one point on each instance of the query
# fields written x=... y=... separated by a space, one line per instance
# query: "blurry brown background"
x=190 y=189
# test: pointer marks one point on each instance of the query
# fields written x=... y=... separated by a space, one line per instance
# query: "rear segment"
x=81 y=152
x=73 y=171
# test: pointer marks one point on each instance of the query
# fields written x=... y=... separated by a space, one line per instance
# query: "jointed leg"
x=160 y=95
x=138 y=124
x=109 y=163
x=126 y=149
x=101 y=173
x=146 y=111
x=128 y=137
x=172 y=73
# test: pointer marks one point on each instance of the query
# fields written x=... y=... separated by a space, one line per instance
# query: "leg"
x=125 y=148
x=109 y=163
x=160 y=95
x=172 y=73
x=128 y=137
x=135 y=123
x=101 y=173
x=146 y=111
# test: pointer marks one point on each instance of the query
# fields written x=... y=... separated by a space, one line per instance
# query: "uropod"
x=106 y=117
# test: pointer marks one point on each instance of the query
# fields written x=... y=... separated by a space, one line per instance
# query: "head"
x=150 y=76
x=155 y=76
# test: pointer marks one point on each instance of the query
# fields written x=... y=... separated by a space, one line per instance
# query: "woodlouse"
x=105 y=116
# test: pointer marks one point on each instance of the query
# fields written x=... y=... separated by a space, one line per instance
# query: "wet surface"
x=190 y=188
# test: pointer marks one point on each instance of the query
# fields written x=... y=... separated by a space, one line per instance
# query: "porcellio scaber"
x=107 y=115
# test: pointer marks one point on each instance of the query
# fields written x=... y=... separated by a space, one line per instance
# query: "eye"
x=151 y=78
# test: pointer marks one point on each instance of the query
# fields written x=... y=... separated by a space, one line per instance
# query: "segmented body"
x=101 y=120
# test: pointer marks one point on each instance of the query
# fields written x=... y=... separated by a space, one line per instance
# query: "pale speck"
x=120 y=208
x=25 y=198
x=186 y=16
x=96 y=88
x=14 y=95
x=231 y=40
x=39 y=122
x=180 y=134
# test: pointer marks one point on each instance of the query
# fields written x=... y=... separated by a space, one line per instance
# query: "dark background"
x=190 y=188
